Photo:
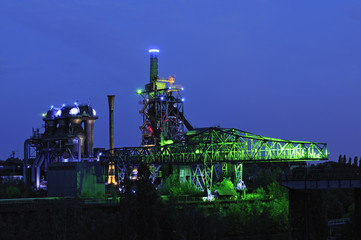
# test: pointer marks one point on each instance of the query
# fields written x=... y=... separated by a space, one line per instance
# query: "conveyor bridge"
x=221 y=145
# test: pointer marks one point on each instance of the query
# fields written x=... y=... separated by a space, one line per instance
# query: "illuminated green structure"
x=206 y=147
x=204 y=152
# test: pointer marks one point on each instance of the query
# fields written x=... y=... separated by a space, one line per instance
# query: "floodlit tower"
x=162 y=111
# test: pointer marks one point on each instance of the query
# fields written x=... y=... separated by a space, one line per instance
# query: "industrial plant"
x=66 y=171
x=63 y=161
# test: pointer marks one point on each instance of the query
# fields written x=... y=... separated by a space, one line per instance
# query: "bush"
x=12 y=192
x=173 y=187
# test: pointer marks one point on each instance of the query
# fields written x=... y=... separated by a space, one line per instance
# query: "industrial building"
x=62 y=159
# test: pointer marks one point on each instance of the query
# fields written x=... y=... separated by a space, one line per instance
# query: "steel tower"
x=162 y=110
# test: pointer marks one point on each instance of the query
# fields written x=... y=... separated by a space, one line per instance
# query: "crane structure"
x=202 y=153
x=207 y=149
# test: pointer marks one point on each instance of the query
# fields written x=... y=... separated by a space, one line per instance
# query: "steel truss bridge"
x=207 y=148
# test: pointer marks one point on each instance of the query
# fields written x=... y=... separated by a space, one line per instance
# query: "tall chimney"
x=111 y=121
x=153 y=64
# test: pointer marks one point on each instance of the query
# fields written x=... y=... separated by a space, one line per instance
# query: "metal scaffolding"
x=209 y=146
x=162 y=110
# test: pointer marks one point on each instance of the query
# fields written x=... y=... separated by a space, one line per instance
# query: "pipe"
x=25 y=162
x=37 y=170
x=78 y=131
x=89 y=131
x=111 y=121
x=79 y=149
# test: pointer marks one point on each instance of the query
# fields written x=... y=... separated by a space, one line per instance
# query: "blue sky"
x=282 y=69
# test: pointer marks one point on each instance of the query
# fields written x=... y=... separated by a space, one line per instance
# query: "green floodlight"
x=139 y=91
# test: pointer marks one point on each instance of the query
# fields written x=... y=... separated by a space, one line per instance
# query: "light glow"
x=94 y=112
x=139 y=91
x=154 y=50
x=74 y=111
x=58 y=113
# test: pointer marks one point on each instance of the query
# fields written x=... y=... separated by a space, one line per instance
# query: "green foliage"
x=278 y=212
x=261 y=212
x=18 y=189
x=226 y=184
x=12 y=192
x=261 y=192
x=173 y=187
x=235 y=219
x=99 y=195
x=256 y=217
x=258 y=194
x=275 y=190
x=87 y=194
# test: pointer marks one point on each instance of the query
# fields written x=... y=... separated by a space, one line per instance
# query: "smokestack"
x=153 y=64
x=111 y=121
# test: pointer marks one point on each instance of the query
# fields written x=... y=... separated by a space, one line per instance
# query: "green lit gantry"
x=222 y=145
x=206 y=149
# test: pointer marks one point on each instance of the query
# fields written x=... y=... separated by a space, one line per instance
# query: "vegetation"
x=264 y=212
x=17 y=189
x=174 y=188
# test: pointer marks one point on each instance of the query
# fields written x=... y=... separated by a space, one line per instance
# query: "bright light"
x=94 y=112
x=51 y=107
x=182 y=99
x=154 y=50
x=161 y=98
x=44 y=114
x=139 y=91
x=99 y=154
x=58 y=113
x=182 y=88
x=63 y=105
x=74 y=111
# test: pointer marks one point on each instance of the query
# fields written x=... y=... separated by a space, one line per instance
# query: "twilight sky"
x=277 y=68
